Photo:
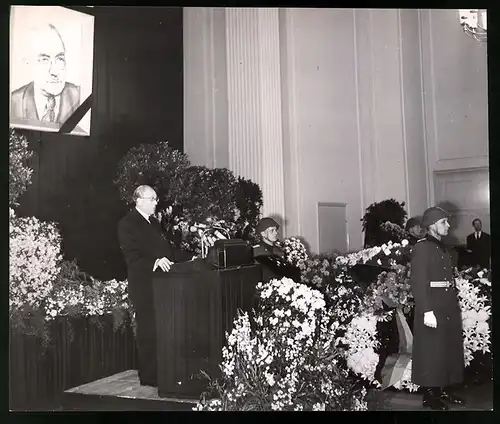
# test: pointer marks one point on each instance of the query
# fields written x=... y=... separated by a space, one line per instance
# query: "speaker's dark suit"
x=142 y=243
x=480 y=249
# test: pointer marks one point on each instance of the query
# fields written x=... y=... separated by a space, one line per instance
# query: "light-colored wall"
x=456 y=120
x=374 y=102
x=321 y=140
x=455 y=95
x=354 y=121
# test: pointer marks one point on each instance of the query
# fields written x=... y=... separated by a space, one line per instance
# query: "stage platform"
x=121 y=392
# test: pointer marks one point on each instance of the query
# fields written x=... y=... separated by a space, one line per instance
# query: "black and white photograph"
x=277 y=209
x=51 y=67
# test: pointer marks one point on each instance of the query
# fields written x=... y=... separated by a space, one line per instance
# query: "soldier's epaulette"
x=422 y=239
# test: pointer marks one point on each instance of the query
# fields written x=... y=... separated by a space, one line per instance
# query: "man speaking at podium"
x=145 y=250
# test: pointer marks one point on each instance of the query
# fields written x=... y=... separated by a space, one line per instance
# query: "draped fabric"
x=395 y=365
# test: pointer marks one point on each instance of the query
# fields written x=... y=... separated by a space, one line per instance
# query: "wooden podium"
x=194 y=308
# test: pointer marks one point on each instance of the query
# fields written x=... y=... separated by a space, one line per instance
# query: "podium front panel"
x=193 y=312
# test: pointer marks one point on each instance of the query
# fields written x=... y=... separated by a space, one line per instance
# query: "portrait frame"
x=51 y=68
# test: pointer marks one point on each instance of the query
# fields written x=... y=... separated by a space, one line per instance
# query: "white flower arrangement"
x=193 y=231
x=366 y=255
x=101 y=298
x=393 y=286
x=361 y=339
x=34 y=260
x=288 y=359
x=35 y=286
x=295 y=251
x=475 y=317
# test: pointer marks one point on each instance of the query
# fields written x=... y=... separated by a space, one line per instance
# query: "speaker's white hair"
x=141 y=191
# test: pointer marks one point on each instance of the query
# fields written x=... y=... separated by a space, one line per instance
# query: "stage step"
x=121 y=392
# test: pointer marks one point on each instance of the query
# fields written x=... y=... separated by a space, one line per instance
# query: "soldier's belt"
x=440 y=284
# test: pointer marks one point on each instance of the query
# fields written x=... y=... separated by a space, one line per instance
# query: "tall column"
x=255 y=140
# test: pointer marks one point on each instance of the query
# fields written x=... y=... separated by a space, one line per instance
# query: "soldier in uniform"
x=438 y=356
x=268 y=253
x=267 y=228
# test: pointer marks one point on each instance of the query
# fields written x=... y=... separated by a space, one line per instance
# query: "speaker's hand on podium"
x=163 y=263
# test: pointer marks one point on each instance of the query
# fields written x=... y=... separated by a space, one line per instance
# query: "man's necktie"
x=50 y=114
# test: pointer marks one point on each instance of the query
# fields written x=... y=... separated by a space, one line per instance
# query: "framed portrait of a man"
x=51 y=68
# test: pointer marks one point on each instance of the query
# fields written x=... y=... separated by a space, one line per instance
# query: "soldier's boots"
x=432 y=399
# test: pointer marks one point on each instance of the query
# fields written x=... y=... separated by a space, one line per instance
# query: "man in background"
x=414 y=230
x=49 y=98
x=479 y=244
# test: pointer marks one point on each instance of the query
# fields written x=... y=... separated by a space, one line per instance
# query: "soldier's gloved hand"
x=430 y=319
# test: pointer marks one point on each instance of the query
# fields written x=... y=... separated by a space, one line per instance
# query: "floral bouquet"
x=475 y=318
x=93 y=301
x=295 y=251
x=392 y=287
x=395 y=232
x=43 y=287
x=74 y=293
x=343 y=296
x=285 y=358
x=34 y=261
x=192 y=232
x=361 y=344
x=386 y=255
x=480 y=278
x=318 y=270
x=360 y=257
x=345 y=300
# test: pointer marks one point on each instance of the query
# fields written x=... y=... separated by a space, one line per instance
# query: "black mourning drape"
x=137 y=98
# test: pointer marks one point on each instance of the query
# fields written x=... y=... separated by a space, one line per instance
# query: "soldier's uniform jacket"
x=265 y=254
x=264 y=249
x=437 y=356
